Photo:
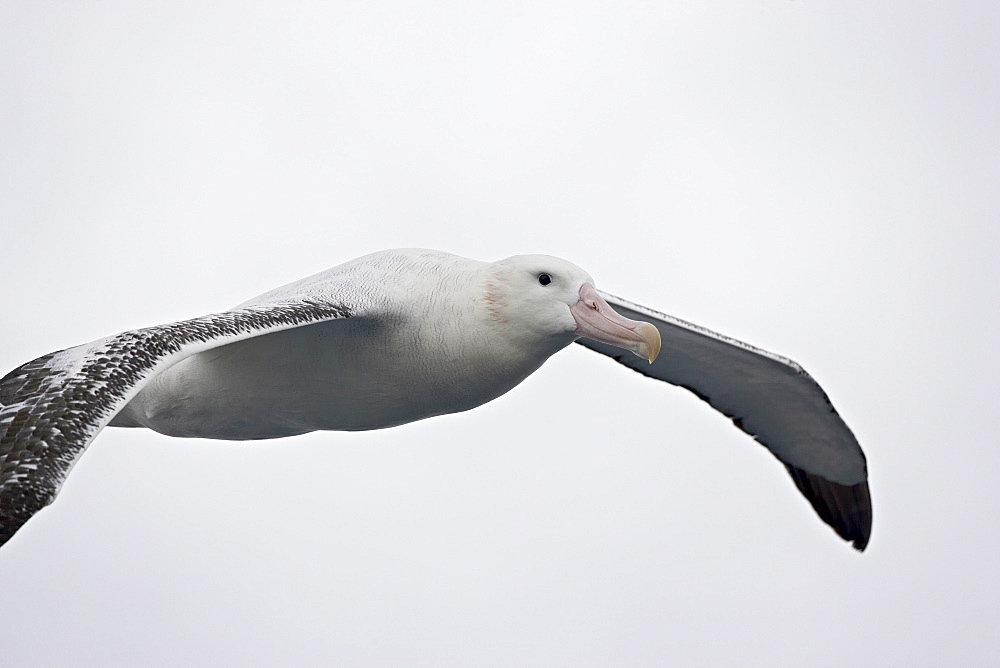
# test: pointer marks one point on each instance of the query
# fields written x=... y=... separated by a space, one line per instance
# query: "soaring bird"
x=393 y=337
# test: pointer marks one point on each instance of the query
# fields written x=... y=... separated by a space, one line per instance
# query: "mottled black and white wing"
x=52 y=408
x=771 y=398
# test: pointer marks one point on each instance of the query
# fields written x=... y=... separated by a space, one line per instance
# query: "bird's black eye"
x=544 y=279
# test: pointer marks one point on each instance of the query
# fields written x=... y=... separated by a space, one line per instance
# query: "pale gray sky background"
x=819 y=179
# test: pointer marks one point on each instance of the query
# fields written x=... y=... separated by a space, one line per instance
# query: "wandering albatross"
x=390 y=338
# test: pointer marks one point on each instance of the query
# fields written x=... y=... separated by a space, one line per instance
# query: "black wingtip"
x=846 y=508
x=8 y=527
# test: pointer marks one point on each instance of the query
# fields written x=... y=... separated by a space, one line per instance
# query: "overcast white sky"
x=819 y=179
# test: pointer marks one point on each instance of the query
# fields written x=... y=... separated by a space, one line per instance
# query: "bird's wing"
x=52 y=408
x=771 y=398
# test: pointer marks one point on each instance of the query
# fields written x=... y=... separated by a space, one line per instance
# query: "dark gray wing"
x=52 y=408
x=771 y=398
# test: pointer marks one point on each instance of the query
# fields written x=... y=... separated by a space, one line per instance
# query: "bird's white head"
x=545 y=297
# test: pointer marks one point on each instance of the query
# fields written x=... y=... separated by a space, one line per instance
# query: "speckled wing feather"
x=771 y=398
x=52 y=408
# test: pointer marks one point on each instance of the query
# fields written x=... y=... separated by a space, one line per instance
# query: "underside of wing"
x=771 y=398
x=52 y=407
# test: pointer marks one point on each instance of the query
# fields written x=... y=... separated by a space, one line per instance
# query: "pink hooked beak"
x=595 y=319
